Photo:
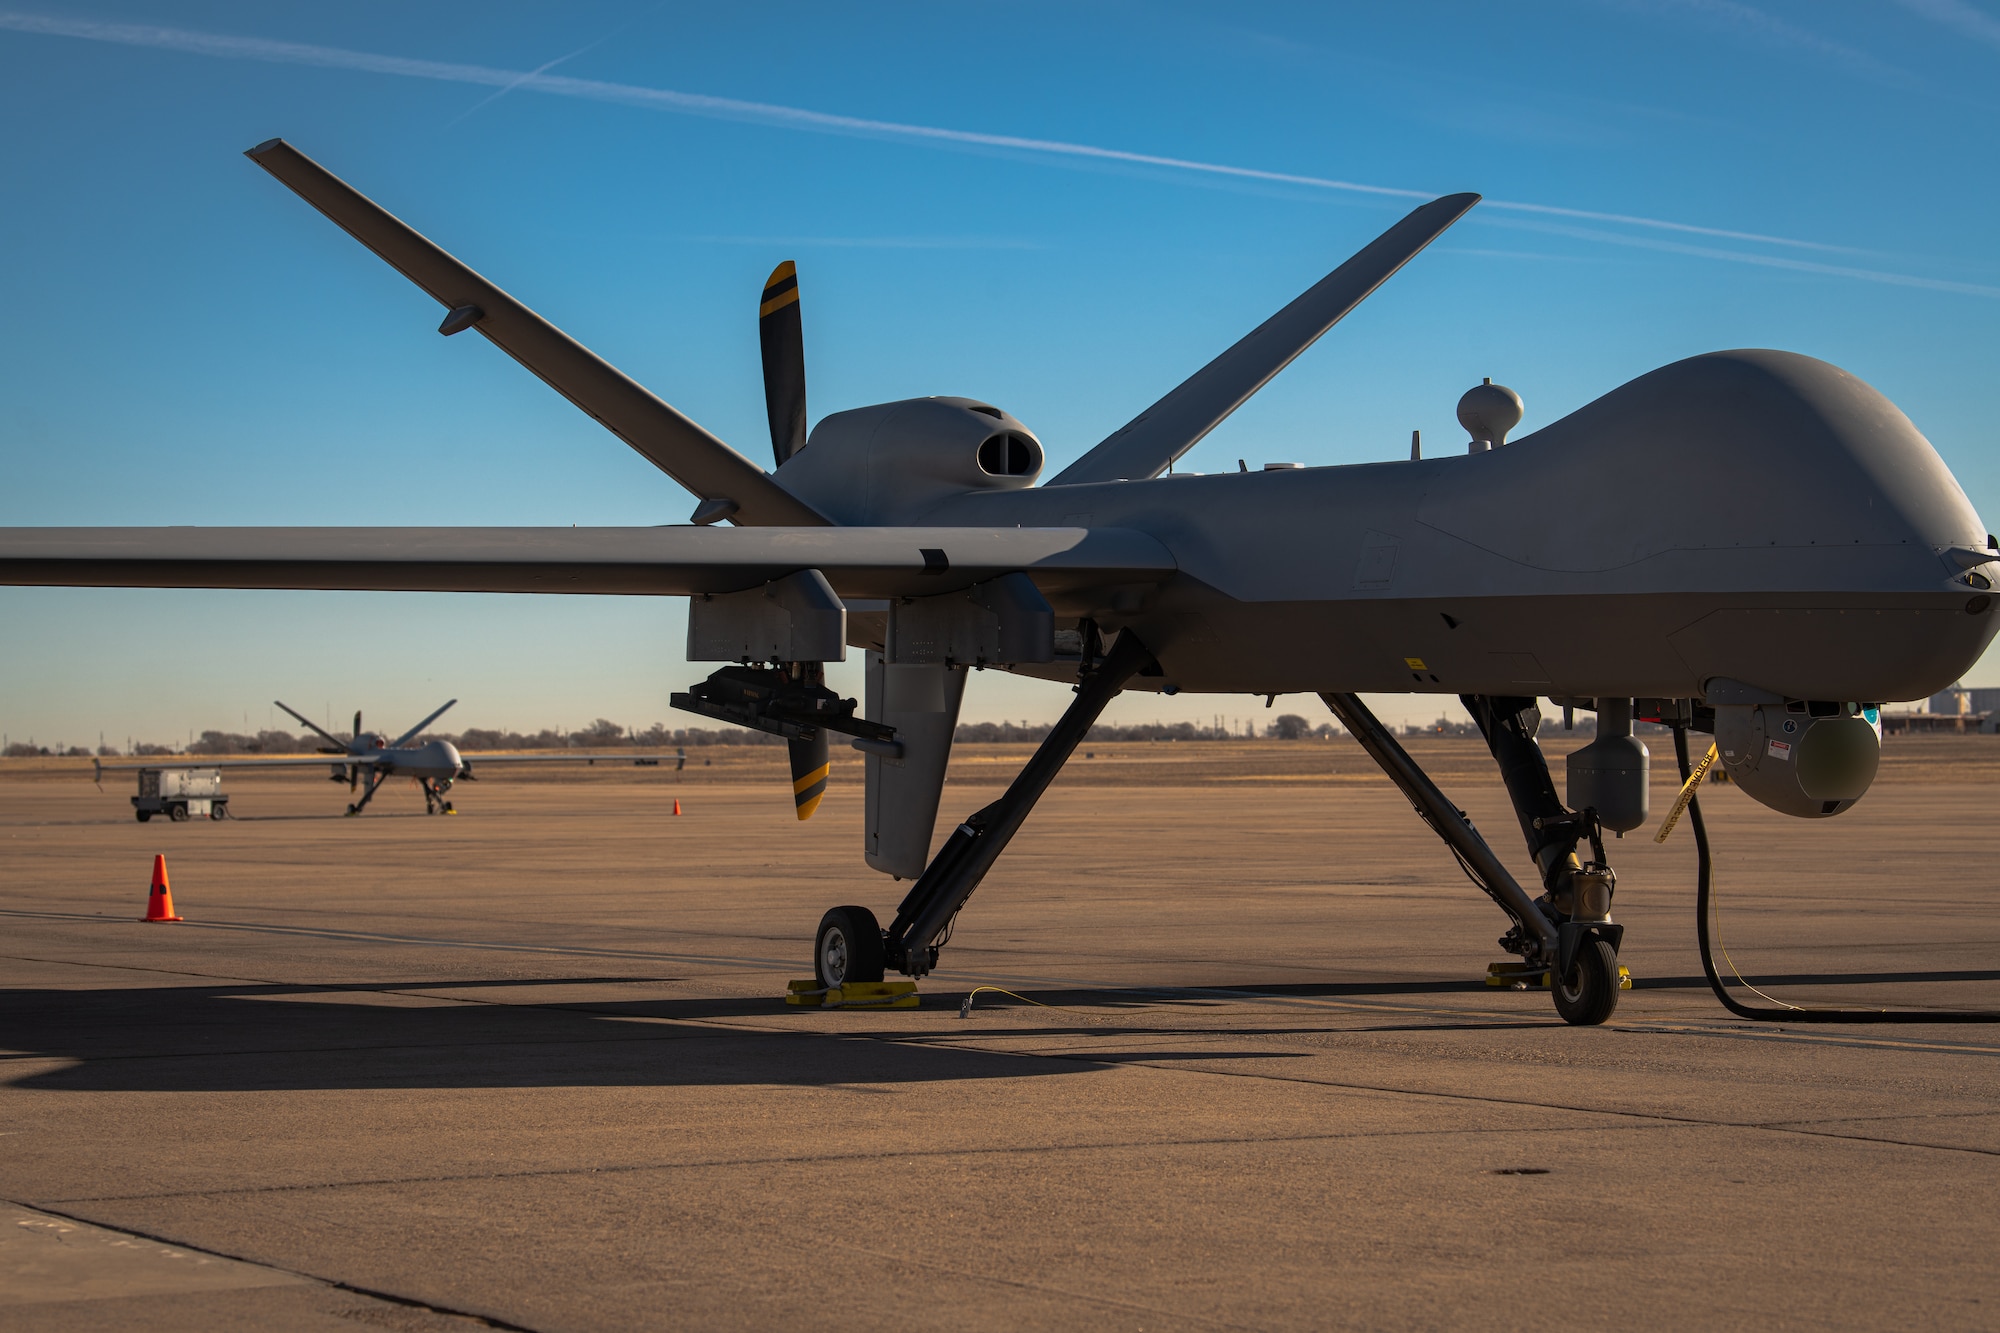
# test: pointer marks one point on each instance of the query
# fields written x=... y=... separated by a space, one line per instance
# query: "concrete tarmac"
x=526 y=1067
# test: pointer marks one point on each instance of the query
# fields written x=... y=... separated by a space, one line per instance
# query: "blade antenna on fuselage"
x=330 y=737
x=1148 y=444
x=399 y=742
x=782 y=338
x=727 y=482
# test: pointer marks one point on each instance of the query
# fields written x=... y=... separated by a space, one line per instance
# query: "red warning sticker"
x=1779 y=750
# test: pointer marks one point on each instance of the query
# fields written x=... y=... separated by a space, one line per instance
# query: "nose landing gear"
x=1587 y=994
x=1567 y=932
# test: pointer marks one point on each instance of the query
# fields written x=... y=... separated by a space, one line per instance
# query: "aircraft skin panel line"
x=670 y=441
x=666 y=561
x=1145 y=447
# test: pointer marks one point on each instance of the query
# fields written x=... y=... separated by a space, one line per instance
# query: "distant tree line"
x=1285 y=727
x=604 y=734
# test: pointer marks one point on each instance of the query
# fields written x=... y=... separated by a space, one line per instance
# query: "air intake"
x=1009 y=455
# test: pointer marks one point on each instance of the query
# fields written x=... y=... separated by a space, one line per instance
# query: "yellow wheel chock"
x=854 y=995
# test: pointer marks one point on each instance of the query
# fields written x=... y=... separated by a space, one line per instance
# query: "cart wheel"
x=142 y=815
x=178 y=813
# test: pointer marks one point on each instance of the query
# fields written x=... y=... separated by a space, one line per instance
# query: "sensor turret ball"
x=1488 y=413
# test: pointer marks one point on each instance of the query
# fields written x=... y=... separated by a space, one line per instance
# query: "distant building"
x=1956 y=711
x=1959 y=699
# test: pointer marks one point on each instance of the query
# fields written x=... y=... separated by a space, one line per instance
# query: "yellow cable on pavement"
x=965 y=1009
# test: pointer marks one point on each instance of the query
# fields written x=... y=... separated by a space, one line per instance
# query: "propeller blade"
x=420 y=726
x=1148 y=444
x=784 y=343
x=357 y=728
x=809 y=770
x=314 y=725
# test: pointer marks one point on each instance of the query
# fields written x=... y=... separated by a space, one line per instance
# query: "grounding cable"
x=1704 y=908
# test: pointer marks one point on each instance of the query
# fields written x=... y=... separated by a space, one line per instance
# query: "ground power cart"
x=180 y=794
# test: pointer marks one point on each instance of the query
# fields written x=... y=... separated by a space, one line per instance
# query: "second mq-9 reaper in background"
x=1753 y=543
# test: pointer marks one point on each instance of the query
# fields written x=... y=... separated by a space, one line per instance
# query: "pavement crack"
x=373 y=1293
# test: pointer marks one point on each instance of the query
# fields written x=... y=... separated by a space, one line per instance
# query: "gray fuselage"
x=1758 y=516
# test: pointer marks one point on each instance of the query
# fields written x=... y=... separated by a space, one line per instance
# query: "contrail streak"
x=265 y=50
x=1767 y=261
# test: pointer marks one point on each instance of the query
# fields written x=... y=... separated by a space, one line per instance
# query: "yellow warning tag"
x=1415 y=664
x=1687 y=794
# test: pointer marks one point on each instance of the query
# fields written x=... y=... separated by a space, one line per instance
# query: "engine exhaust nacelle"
x=891 y=462
x=1806 y=758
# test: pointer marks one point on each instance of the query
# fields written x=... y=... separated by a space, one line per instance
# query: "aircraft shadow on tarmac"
x=452 y=1033
x=244 y=1038
x=455 y=1033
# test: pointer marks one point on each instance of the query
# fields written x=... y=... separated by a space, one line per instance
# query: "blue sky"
x=1061 y=208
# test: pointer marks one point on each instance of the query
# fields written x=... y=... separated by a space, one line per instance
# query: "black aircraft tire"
x=847 y=947
x=1589 y=994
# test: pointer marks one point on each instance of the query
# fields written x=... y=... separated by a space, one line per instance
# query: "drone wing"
x=669 y=561
x=340 y=746
x=407 y=736
x=633 y=757
x=1146 y=445
x=728 y=483
x=334 y=761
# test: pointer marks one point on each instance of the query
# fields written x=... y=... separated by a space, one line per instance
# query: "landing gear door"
x=921 y=703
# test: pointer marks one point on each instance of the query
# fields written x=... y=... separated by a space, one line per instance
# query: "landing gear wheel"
x=1587 y=996
x=848 y=947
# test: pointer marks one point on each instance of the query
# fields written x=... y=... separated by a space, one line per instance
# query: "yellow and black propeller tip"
x=782 y=339
x=810 y=766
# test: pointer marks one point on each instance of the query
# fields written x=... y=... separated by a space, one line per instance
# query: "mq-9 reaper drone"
x=1757 y=544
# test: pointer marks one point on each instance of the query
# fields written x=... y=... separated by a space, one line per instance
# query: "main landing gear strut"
x=1568 y=930
x=851 y=946
x=434 y=796
x=375 y=781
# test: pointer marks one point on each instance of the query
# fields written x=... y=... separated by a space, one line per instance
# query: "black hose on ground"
x=1704 y=878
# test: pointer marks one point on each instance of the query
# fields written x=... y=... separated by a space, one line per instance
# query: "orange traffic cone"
x=160 y=902
x=677 y=805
